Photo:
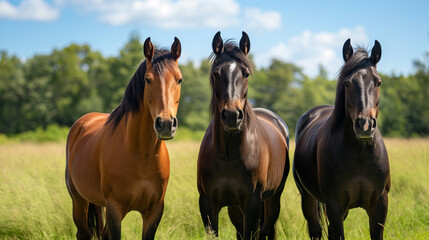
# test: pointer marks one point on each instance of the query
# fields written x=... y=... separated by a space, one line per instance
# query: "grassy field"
x=34 y=203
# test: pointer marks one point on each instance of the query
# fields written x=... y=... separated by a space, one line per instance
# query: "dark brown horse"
x=119 y=161
x=340 y=158
x=243 y=161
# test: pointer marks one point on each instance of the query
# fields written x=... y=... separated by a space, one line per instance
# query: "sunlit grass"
x=34 y=203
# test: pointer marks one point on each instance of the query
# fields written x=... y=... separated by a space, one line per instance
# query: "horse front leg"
x=237 y=219
x=253 y=211
x=210 y=214
x=335 y=216
x=114 y=216
x=377 y=217
x=271 y=210
x=151 y=219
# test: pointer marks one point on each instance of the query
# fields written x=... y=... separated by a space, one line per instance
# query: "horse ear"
x=217 y=44
x=148 y=50
x=347 y=50
x=176 y=49
x=245 y=43
x=376 y=53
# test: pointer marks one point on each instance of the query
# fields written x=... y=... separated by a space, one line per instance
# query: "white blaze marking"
x=365 y=127
x=230 y=85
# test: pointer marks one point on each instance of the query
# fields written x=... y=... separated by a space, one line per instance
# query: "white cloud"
x=165 y=14
x=37 y=10
x=256 y=19
x=180 y=14
x=309 y=50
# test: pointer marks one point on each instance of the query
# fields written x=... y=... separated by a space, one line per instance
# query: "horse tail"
x=95 y=220
x=323 y=217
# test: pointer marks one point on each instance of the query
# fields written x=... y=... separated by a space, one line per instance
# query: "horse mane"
x=358 y=60
x=134 y=92
x=233 y=51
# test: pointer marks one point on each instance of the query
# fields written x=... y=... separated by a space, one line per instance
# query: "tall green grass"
x=34 y=203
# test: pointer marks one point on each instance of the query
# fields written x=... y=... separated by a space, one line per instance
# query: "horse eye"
x=246 y=73
x=378 y=82
x=147 y=80
x=180 y=81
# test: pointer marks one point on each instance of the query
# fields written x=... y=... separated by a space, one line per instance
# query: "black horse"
x=340 y=157
x=244 y=157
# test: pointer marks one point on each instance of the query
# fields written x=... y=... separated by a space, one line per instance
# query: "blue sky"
x=307 y=33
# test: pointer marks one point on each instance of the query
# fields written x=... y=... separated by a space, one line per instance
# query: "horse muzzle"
x=232 y=119
x=165 y=128
x=364 y=128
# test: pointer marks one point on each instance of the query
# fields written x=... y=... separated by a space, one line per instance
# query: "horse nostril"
x=174 y=122
x=374 y=123
x=223 y=115
x=240 y=114
x=158 y=124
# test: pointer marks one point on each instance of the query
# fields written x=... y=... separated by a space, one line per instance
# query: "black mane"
x=358 y=61
x=231 y=49
x=133 y=95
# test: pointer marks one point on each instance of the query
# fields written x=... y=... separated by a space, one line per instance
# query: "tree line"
x=60 y=87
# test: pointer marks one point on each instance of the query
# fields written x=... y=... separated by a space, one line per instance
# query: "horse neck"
x=340 y=120
x=140 y=135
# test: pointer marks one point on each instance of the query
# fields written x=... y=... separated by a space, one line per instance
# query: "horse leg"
x=236 y=217
x=335 y=217
x=210 y=214
x=151 y=219
x=310 y=209
x=80 y=208
x=377 y=217
x=253 y=210
x=271 y=213
x=114 y=216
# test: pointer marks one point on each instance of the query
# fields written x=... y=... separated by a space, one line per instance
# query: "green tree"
x=393 y=103
x=121 y=69
x=419 y=105
x=195 y=96
x=276 y=87
x=12 y=95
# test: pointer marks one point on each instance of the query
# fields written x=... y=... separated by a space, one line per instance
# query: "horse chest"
x=144 y=193
x=137 y=184
x=357 y=180
x=137 y=193
x=230 y=182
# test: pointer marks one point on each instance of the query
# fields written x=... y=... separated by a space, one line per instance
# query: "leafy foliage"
x=59 y=87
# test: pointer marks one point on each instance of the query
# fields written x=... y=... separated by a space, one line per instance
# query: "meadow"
x=34 y=203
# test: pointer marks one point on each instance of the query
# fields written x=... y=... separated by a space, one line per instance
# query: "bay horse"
x=119 y=162
x=243 y=161
x=340 y=158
